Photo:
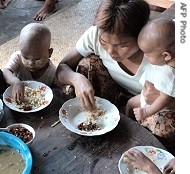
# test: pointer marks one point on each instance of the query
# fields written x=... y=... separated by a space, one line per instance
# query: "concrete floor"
x=19 y=13
x=70 y=21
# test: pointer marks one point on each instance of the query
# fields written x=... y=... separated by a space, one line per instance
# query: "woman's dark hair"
x=122 y=17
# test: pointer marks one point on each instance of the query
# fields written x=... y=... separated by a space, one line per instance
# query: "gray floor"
x=66 y=25
x=20 y=12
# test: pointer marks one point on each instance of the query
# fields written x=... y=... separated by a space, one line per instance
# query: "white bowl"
x=26 y=126
x=46 y=91
x=1 y=110
x=71 y=115
x=160 y=157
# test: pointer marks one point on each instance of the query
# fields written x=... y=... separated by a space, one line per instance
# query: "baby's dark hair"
x=122 y=17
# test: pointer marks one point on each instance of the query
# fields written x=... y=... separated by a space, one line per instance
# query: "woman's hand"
x=18 y=92
x=85 y=92
x=67 y=76
x=170 y=167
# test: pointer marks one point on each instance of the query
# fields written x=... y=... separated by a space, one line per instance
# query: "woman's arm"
x=67 y=76
x=66 y=69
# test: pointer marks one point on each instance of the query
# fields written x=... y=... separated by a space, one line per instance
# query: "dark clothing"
x=3 y=84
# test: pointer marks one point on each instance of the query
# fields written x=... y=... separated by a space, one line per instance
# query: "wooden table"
x=57 y=150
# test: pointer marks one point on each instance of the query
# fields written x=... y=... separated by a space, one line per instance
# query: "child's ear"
x=50 y=52
x=167 y=56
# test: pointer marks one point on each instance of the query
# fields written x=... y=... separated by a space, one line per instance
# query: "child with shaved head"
x=157 y=41
x=32 y=61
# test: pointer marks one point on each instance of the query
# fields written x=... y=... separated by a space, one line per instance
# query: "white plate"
x=1 y=104
x=159 y=156
x=8 y=99
x=71 y=115
x=1 y=110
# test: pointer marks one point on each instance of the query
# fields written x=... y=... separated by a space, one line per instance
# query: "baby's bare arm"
x=159 y=103
x=132 y=103
x=18 y=87
x=9 y=77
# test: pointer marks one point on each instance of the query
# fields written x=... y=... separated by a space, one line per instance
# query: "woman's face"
x=35 y=57
x=119 y=48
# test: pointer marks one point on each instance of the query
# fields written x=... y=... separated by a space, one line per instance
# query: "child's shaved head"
x=35 y=34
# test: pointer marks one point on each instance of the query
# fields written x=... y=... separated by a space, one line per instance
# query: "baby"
x=157 y=41
x=32 y=61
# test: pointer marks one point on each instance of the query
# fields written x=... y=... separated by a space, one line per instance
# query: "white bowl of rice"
x=37 y=96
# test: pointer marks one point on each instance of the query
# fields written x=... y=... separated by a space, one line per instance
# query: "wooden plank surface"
x=57 y=150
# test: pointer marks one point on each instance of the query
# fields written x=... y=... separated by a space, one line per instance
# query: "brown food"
x=21 y=132
x=88 y=126
x=33 y=98
x=27 y=107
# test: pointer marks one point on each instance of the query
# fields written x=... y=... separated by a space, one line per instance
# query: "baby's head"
x=157 y=41
x=34 y=44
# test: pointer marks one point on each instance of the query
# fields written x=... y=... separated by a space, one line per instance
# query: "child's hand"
x=137 y=159
x=18 y=92
x=170 y=167
x=140 y=114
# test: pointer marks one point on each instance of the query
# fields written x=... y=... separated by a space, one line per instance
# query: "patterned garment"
x=102 y=82
x=3 y=84
x=161 y=124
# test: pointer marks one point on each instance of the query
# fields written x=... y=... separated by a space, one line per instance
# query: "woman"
x=114 y=63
